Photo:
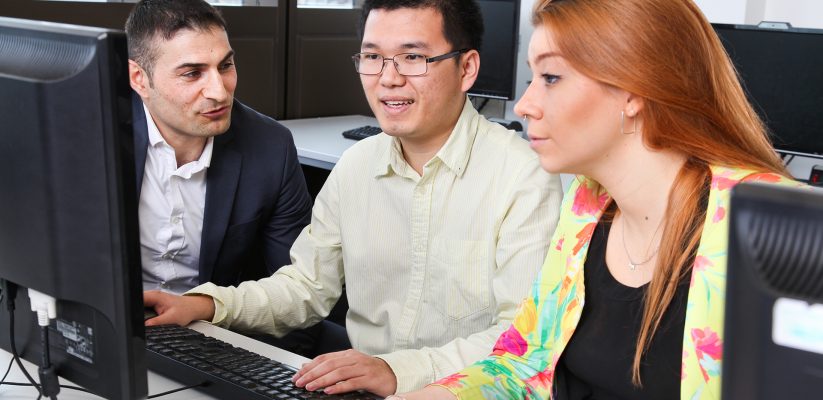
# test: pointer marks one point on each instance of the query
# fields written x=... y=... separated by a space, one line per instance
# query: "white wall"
x=725 y=11
x=800 y=13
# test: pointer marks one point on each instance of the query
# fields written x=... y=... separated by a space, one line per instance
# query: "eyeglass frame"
x=429 y=60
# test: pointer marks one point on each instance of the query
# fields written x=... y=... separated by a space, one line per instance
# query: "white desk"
x=157 y=383
x=320 y=141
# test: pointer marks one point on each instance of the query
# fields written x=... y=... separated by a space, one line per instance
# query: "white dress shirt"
x=172 y=200
x=434 y=265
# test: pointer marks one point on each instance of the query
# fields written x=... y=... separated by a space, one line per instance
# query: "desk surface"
x=320 y=141
x=157 y=383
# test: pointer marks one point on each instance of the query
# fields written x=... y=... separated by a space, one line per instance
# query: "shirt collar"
x=454 y=154
x=156 y=139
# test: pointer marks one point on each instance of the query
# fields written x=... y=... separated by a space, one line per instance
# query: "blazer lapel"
x=141 y=140
x=221 y=184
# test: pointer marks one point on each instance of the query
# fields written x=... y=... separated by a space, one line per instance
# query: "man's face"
x=190 y=91
x=415 y=107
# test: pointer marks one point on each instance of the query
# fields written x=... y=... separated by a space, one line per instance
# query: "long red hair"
x=666 y=52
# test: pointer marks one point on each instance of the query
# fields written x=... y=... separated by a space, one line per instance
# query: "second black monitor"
x=498 y=53
x=780 y=71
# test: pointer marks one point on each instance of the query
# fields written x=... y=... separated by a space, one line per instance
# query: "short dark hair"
x=164 y=18
x=462 y=19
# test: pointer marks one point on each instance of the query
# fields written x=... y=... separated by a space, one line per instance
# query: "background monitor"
x=68 y=211
x=774 y=294
x=781 y=72
x=498 y=52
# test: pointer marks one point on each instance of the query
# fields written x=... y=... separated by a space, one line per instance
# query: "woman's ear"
x=634 y=105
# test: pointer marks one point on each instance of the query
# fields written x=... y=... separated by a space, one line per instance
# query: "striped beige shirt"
x=434 y=265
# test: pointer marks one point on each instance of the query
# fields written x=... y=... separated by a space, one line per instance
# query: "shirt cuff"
x=220 y=306
x=412 y=369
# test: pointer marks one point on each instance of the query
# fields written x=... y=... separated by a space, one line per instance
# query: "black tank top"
x=597 y=362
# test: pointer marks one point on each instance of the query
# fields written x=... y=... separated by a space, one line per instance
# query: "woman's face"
x=574 y=121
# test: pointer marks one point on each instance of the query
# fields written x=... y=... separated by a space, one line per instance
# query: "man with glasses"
x=436 y=227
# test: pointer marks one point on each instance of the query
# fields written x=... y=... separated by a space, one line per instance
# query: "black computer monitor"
x=774 y=294
x=68 y=213
x=780 y=70
x=498 y=52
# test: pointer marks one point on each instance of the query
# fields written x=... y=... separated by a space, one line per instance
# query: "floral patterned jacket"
x=523 y=362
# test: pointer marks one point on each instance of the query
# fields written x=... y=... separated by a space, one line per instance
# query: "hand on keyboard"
x=225 y=371
x=346 y=371
x=178 y=310
x=361 y=132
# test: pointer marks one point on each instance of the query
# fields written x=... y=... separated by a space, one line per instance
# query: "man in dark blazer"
x=256 y=198
x=222 y=195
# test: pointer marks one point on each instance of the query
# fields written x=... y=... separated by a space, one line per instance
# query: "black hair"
x=462 y=19
x=150 y=19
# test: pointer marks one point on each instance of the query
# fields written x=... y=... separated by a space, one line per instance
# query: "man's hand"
x=174 y=309
x=346 y=371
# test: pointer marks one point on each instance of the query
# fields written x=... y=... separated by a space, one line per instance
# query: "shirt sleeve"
x=297 y=295
x=531 y=213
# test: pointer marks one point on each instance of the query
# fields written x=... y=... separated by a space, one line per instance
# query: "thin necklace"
x=633 y=265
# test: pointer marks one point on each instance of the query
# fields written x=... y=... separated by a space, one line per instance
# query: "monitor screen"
x=774 y=294
x=68 y=211
x=780 y=71
x=498 y=52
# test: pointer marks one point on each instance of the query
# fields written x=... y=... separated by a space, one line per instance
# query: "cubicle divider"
x=321 y=80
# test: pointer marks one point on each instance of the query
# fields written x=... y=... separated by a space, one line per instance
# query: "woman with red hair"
x=638 y=99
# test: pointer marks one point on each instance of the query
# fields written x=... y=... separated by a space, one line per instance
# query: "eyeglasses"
x=406 y=64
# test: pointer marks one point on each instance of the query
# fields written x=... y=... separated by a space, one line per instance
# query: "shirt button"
x=175 y=220
x=166 y=256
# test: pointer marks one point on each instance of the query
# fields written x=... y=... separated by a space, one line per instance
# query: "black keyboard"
x=227 y=372
x=361 y=132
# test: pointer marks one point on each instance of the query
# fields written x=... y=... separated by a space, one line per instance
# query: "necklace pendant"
x=632 y=266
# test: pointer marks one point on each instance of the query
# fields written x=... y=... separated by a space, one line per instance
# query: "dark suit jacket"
x=256 y=197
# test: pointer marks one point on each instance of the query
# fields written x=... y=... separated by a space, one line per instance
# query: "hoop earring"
x=622 y=122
